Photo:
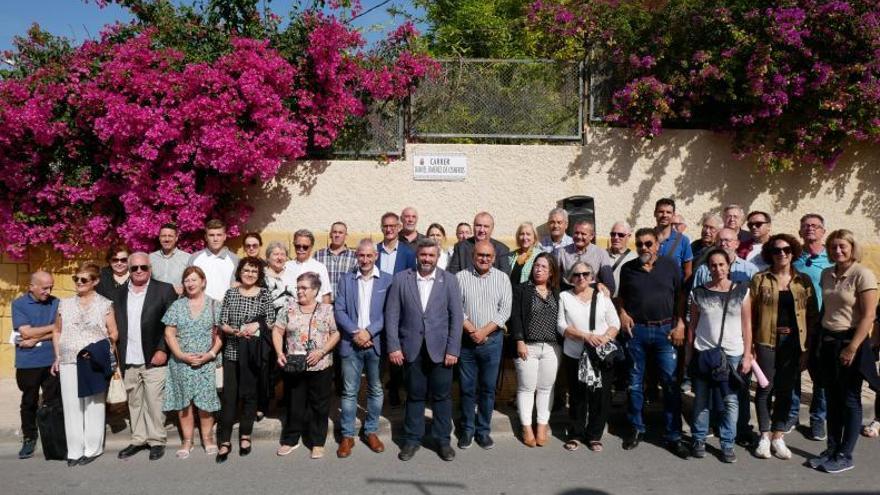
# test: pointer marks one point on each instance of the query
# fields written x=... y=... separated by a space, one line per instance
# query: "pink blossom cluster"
x=124 y=135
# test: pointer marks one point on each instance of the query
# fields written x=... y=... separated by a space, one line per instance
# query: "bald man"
x=463 y=252
x=409 y=221
x=33 y=318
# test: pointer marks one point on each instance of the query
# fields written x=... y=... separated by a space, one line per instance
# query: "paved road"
x=508 y=469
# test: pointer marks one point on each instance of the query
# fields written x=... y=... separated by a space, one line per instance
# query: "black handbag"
x=50 y=424
x=713 y=362
x=296 y=363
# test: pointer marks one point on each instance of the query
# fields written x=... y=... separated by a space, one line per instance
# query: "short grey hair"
x=712 y=216
x=139 y=253
x=427 y=242
x=313 y=278
x=305 y=233
x=365 y=242
x=622 y=224
x=272 y=246
x=574 y=267
x=558 y=211
x=734 y=206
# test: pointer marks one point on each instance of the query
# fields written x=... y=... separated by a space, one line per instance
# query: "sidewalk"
x=504 y=419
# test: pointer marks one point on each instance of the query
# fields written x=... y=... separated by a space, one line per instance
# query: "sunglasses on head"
x=776 y=251
x=756 y=225
x=646 y=244
x=142 y=268
x=618 y=234
x=81 y=280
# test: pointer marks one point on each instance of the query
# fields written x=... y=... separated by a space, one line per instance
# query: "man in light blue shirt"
x=557 y=223
x=741 y=271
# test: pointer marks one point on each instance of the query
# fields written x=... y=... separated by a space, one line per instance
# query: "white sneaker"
x=779 y=449
x=763 y=449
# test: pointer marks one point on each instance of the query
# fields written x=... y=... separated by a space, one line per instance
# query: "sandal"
x=595 y=446
x=242 y=449
x=286 y=449
x=223 y=452
x=571 y=445
x=317 y=452
x=872 y=429
x=184 y=452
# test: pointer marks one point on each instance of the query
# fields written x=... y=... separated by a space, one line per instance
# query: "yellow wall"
x=519 y=183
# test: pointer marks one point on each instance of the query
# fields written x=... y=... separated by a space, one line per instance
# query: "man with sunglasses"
x=812 y=261
x=216 y=260
x=139 y=308
x=303 y=242
x=619 y=252
x=759 y=225
x=649 y=313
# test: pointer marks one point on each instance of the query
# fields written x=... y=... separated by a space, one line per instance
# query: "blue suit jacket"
x=439 y=326
x=345 y=310
x=406 y=257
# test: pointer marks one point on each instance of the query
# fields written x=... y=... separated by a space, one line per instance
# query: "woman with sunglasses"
x=83 y=319
x=533 y=316
x=190 y=332
x=310 y=333
x=252 y=242
x=590 y=398
x=849 y=296
x=784 y=313
x=115 y=274
x=720 y=317
x=245 y=308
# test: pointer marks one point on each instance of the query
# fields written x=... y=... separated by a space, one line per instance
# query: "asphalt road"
x=510 y=468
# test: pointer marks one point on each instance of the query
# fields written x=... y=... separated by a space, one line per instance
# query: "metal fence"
x=484 y=100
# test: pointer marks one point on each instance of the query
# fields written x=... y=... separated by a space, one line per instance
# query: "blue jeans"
x=654 y=338
x=478 y=373
x=818 y=406
x=702 y=399
x=424 y=377
x=360 y=360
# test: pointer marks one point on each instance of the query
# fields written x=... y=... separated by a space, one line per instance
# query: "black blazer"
x=463 y=256
x=156 y=302
x=521 y=310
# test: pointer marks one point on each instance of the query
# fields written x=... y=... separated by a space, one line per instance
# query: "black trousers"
x=308 y=407
x=239 y=382
x=30 y=381
x=588 y=410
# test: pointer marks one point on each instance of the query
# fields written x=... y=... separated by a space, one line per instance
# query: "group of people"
x=576 y=318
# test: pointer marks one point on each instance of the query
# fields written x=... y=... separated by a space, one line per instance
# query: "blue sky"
x=80 y=20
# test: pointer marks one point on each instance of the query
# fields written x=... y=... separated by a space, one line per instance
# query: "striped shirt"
x=336 y=264
x=485 y=298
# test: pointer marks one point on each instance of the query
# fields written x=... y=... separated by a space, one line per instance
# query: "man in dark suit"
x=359 y=311
x=423 y=325
x=139 y=307
x=463 y=252
x=394 y=257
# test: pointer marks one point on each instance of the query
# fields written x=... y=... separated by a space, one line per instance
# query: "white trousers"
x=83 y=417
x=535 y=378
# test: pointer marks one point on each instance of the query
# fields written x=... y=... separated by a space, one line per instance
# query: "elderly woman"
x=276 y=256
x=437 y=233
x=784 y=314
x=191 y=335
x=589 y=323
x=849 y=297
x=532 y=326
x=720 y=318
x=309 y=330
x=527 y=249
x=115 y=274
x=252 y=242
x=246 y=313
x=84 y=319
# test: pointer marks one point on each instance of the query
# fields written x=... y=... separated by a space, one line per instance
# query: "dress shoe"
x=132 y=450
x=345 y=447
x=528 y=437
x=678 y=448
x=87 y=460
x=375 y=444
x=542 y=434
x=465 y=441
x=223 y=453
x=446 y=453
x=156 y=452
x=407 y=451
x=72 y=462
x=242 y=450
x=633 y=441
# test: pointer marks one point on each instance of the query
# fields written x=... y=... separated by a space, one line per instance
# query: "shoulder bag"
x=713 y=362
x=296 y=363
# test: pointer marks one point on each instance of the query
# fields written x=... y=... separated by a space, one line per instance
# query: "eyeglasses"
x=302 y=247
x=81 y=280
x=646 y=244
x=580 y=274
x=135 y=268
x=618 y=234
x=118 y=260
x=776 y=251
x=756 y=225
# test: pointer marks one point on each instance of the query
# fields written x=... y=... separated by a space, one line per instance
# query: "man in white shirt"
x=619 y=251
x=760 y=226
x=216 y=260
x=303 y=242
x=169 y=262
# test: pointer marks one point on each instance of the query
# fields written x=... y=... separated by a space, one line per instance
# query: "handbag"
x=713 y=362
x=116 y=394
x=296 y=363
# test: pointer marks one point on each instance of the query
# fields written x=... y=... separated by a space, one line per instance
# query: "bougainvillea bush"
x=174 y=117
x=792 y=80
